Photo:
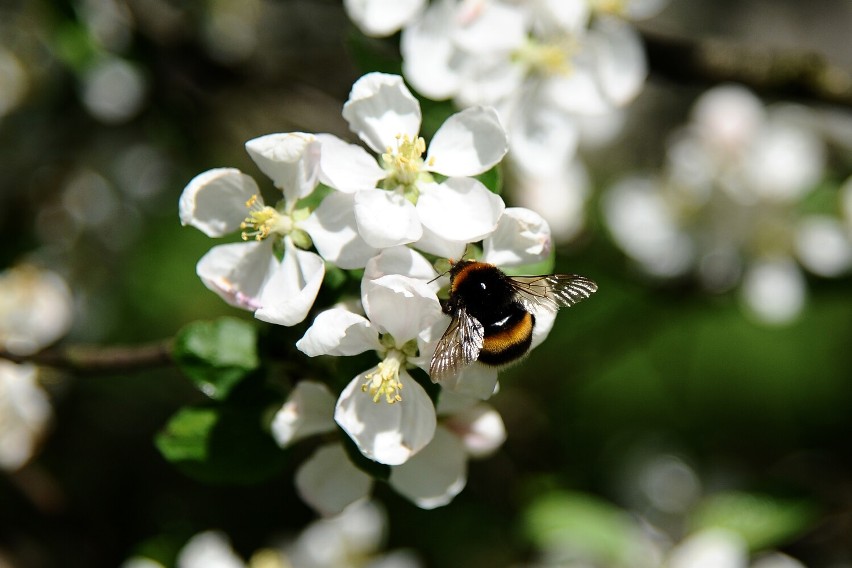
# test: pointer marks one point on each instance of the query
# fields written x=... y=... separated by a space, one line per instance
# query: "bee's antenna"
x=444 y=273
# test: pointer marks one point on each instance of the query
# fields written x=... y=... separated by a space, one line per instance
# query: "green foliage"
x=763 y=521
x=583 y=524
x=217 y=355
x=221 y=444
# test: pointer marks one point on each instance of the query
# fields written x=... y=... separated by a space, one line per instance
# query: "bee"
x=493 y=314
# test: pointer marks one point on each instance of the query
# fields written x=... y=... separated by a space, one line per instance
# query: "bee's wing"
x=551 y=291
x=458 y=347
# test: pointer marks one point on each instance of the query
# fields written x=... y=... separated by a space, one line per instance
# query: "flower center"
x=405 y=162
x=264 y=220
x=615 y=7
x=384 y=381
x=546 y=58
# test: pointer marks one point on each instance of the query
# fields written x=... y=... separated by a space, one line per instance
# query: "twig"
x=768 y=71
x=99 y=359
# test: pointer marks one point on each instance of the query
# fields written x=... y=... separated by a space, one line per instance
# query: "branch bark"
x=100 y=359
x=768 y=71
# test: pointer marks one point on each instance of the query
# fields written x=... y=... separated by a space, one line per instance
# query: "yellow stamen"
x=405 y=162
x=553 y=58
x=263 y=220
x=384 y=381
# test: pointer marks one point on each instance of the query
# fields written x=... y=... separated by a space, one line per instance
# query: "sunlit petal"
x=309 y=410
x=468 y=143
x=338 y=332
x=290 y=160
x=292 y=287
x=380 y=108
x=214 y=202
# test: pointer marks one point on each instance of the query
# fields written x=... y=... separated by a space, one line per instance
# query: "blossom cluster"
x=731 y=205
x=390 y=214
x=558 y=72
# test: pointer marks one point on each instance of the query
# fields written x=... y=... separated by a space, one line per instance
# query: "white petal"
x=460 y=209
x=26 y=413
x=560 y=199
x=339 y=332
x=214 y=202
x=387 y=433
x=477 y=380
x=544 y=320
x=580 y=91
x=380 y=108
x=381 y=18
x=436 y=475
x=292 y=288
x=334 y=231
x=290 y=160
x=433 y=243
x=399 y=305
x=468 y=143
x=543 y=139
x=570 y=16
x=210 y=549
x=36 y=308
x=329 y=482
x=309 y=410
x=643 y=225
x=710 y=548
x=386 y=218
x=400 y=260
x=238 y=271
x=427 y=52
x=489 y=27
x=774 y=290
x=522 y=237
x=480 y=428
x=620 y=59
x=347 y=167
x=823 y=246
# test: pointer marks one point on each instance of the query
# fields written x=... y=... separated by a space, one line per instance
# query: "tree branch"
x=99 y=359
x=768 y=71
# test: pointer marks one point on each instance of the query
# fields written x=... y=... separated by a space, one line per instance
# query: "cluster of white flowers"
x=729 y=205
x=380 y=215
x=353 y=539
x=35 y=311
x=551 y=68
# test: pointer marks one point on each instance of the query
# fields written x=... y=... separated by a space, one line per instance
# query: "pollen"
x=405 y=162
x=384 y=381
x=263 y=220
x=546 y=58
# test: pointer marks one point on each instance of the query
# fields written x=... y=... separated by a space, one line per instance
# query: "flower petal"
x=387 y=433
x=433 y=243
x=480 y=429
x=476 y=380
x=36 y=308
x=460 y=209
x=339 y=332
x=400 y=260
x=386 y=219
x=380 y=108
x=347 y=167
x=468 y=143
x=380 y=18
x=399 y=305
x=334 y=231
x=292 y=287
x=238 y=271
x=26 y=412
x=428 y=51
x=436 y=475
x=620 y=59
x=210 y=549
x=522 y=237
x=823 y=245
x=774 y=290
x=329 y=482
x=291 y=161
x=309 y=410
x=214 y=202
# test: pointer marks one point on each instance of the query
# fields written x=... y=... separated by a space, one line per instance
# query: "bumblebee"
x=493 y=314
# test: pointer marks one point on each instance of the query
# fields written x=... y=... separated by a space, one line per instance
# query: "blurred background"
x=678 y=398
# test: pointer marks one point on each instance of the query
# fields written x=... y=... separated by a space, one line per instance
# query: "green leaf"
x=217 y=355
x=221 y=445
x=492 y=179
x=763 y=521
x=582 y=525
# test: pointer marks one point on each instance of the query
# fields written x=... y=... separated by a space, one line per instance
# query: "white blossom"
x=397 y=200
